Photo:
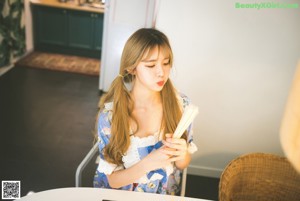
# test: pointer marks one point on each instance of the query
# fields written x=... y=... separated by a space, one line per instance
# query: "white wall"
x=121 y=19
x=237 y=66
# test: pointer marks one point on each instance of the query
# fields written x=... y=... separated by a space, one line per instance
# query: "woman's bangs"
x=164 y=48
x=167 y=52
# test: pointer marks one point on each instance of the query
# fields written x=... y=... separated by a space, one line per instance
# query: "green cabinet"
x=67 y=31
x=51 y=27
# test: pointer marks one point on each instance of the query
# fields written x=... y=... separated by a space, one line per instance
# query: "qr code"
x=11 y=190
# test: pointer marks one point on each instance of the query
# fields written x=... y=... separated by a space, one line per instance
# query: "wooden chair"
x=259 y=177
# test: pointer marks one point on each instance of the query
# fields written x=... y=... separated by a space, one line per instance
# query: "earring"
x=128 y=82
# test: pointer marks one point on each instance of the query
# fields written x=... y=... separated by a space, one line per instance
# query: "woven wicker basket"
x=259 y=177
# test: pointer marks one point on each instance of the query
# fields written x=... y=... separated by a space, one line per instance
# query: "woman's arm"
x=127 y=176
x=181 y=164
x=155 y=160
x=175 y=150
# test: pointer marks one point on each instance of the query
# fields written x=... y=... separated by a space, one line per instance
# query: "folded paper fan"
x=187 y=118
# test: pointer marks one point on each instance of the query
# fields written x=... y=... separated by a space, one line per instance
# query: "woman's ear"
x=131 y=71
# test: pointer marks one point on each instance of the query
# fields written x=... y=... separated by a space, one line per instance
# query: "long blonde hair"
x=140 y=43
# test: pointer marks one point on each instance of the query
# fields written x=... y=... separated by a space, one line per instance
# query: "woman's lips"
x=161 y=83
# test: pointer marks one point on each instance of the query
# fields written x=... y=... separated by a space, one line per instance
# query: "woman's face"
x=153 y=71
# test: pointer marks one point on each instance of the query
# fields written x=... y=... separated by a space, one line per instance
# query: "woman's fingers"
x=175 y=141
x=172 y=152
x=169 y=135
x=175 y=149
x=172 y=155
x=175 y=144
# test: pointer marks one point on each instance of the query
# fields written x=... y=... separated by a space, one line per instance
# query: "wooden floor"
x=46 y=128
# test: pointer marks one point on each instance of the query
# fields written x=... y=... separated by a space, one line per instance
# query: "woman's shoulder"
x=108 y=106
x=105 y=114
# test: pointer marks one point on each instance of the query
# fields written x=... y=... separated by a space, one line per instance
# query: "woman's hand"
x=176 y=148
x=157 y=159
x=178 y=151
x=173 y=150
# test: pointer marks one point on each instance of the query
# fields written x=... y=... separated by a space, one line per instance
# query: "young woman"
x=137 y=118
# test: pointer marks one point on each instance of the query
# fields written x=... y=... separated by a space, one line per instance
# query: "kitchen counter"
x=71 y=4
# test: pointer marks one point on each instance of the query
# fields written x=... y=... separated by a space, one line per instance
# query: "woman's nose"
x=160 y=70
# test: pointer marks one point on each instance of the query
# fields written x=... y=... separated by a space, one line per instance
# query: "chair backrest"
x=78 y=175
x=183 y=182
x=258 y=177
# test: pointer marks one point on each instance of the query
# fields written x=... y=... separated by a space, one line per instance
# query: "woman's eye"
x=150 y=66
x=168 y=63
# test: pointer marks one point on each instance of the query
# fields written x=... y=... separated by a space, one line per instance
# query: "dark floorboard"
x=46 y=128
x=202 y=187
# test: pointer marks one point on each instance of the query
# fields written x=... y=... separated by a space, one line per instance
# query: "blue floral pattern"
x=162 y=181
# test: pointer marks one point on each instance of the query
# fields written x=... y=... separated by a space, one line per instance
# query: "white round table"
x=99 y=194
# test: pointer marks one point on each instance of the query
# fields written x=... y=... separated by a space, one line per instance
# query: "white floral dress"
x=162 y=181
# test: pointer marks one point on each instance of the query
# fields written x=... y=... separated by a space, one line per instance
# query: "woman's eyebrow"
x=154 y=60
x=149 y=60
